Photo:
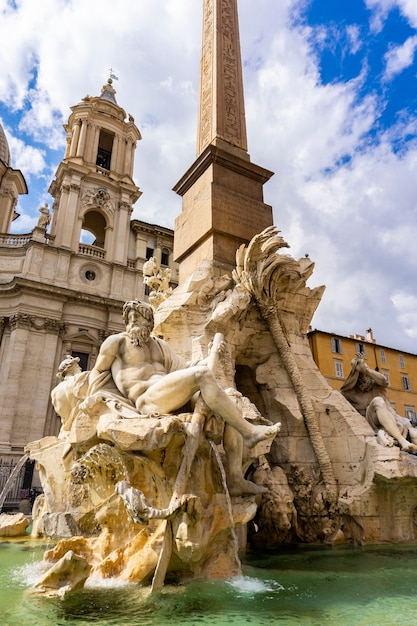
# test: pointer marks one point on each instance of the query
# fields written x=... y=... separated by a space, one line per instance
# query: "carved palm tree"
x=273 y=279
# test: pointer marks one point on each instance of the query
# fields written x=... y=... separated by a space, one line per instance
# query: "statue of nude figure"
x=157 y=381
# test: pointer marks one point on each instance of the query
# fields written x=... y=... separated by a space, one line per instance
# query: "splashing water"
x=12 y=479
x=30 y=573
x=249 y=585
x=229 y=507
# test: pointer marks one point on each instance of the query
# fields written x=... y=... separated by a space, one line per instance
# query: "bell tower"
x=93 y=189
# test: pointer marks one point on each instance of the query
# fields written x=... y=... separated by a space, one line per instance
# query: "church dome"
x=4 y=148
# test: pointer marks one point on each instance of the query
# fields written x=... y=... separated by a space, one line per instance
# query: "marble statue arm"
x=216 y=348
x=106 y=357
x=379 y=378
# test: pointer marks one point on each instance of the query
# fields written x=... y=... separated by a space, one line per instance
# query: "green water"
x=372 y=586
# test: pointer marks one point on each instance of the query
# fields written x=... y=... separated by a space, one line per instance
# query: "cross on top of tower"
x=112 y=76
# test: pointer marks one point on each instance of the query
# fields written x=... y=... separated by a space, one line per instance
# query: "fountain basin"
x=295 y=585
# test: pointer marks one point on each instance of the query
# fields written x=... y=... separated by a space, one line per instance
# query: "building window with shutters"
x=338 y=368
x=401 y=358
x=383 y=357
x=410 y=413
x=406 y=382
x=336 y=345
x=386 y=374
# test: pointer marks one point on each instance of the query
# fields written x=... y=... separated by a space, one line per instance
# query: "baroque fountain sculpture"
x=157 y=476
x=146 y=477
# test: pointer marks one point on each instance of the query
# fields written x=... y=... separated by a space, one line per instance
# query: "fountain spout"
x=12 y=479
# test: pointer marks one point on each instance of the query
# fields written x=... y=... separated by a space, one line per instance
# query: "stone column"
x=128 y=158
x=59 y=214
x=121 y=227
x=68 y=147
x=115 y=154
x=74 y=138
x=71 y=238
x=92 y=156
x=8 y=201
x=47 y=342
x=81 y=143
x=132 y=158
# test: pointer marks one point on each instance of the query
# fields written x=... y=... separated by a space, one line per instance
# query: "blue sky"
x=330 y=93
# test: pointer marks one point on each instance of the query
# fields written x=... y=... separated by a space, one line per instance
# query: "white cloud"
x=30 y=160
x=382 y=8
x=399 y=58
x=406 y=308
x=41 y=122
x=354 y=36
x=26 y=223
x=347 y=201
x=409 y=9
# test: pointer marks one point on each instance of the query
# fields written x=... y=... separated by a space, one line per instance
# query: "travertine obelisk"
x=222 y=191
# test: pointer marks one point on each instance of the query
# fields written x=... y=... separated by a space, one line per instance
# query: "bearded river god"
x=157 y=381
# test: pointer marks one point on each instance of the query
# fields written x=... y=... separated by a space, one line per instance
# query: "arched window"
x=105 y=146
x=164 y=256
x=93 y=229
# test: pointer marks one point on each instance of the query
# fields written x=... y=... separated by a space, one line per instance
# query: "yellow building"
x=333 y=354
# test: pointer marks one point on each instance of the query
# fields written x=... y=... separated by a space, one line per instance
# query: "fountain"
x=133 y=486
x=139 y=486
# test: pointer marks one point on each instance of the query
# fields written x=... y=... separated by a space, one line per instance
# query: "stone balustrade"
x=8 y=240
x=14 y=241
x=93 y=251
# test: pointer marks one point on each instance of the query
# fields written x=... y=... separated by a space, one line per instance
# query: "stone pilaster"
x=26 y=371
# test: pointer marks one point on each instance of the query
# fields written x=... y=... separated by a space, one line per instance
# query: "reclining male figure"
x=157 y=381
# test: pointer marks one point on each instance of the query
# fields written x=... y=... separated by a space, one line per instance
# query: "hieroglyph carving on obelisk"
x=221 y=107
